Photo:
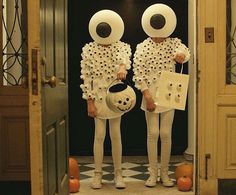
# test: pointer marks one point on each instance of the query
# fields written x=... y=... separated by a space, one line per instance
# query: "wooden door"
x=217 y=97
x=48 y=97
x=14 y=128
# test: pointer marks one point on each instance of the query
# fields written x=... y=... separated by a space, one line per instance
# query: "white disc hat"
x=106 y=27
x=159 y=20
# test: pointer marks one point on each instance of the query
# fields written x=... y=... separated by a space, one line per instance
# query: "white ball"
x=159 y=20
x=106 y=27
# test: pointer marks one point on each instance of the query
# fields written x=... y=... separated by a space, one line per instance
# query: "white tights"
x=153 y=130
x=100 y=132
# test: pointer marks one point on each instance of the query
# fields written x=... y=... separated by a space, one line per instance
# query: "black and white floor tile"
x=131 y=171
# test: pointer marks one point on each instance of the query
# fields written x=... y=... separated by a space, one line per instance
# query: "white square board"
x=172 y=90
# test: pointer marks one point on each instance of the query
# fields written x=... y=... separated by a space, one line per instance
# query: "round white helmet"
x=106 y=27
x=159 y=20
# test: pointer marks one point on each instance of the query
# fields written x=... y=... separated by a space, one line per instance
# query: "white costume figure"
x=157 y=53
x=103 y=61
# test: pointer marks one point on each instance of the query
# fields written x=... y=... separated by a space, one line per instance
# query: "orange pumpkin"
x=74 y=185
x=184 y=170
x=73 y=168
x=184 y=184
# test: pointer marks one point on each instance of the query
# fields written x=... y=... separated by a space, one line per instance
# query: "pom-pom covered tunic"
x=150 y=59
x=99 y=68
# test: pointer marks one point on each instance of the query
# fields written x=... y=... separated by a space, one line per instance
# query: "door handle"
x=207 y=157
x=52 y=81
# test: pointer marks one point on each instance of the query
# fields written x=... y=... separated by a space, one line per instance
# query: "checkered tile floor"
x=131 y=171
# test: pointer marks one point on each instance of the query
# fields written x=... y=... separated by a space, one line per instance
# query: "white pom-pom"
x=84 y=96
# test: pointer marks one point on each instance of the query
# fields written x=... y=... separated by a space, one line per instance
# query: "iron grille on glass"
x=14 y=42
x=231 y=43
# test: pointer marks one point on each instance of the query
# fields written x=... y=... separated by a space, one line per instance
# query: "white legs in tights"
x=100 y=132
x=154 y=129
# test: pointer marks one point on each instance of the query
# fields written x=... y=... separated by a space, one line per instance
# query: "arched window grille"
x=231 y=43
x=14 y=42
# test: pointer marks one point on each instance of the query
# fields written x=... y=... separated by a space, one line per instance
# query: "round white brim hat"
x=159 y=20
x=106 y=27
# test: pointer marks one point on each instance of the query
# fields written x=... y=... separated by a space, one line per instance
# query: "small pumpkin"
x=120 y=98
x=185 y=169
x=73 y=168
x=184 y=184
x=74 y=184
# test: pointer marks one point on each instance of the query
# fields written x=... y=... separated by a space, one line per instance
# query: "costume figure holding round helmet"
x=156 y=53
x=104 y=62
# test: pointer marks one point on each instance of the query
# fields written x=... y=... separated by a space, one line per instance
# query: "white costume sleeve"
x=139 y=66
x=86 y=73
x=181 y=48
x=123 y=55
x=126 y=55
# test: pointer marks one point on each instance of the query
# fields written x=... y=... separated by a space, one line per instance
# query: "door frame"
x=35 y=107
x=205 y=18
x=206 y=99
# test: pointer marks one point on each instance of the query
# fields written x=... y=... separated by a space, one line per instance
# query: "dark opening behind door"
x=133 y=123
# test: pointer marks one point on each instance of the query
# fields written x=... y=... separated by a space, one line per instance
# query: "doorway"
x=81 y=133
x=131 y=118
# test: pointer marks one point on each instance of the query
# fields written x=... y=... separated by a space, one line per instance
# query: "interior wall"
x=133 y=123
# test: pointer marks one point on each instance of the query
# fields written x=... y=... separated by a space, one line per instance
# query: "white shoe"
x=152 y=180
x=119 y=181
x=165 y=180
x=97 y=180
